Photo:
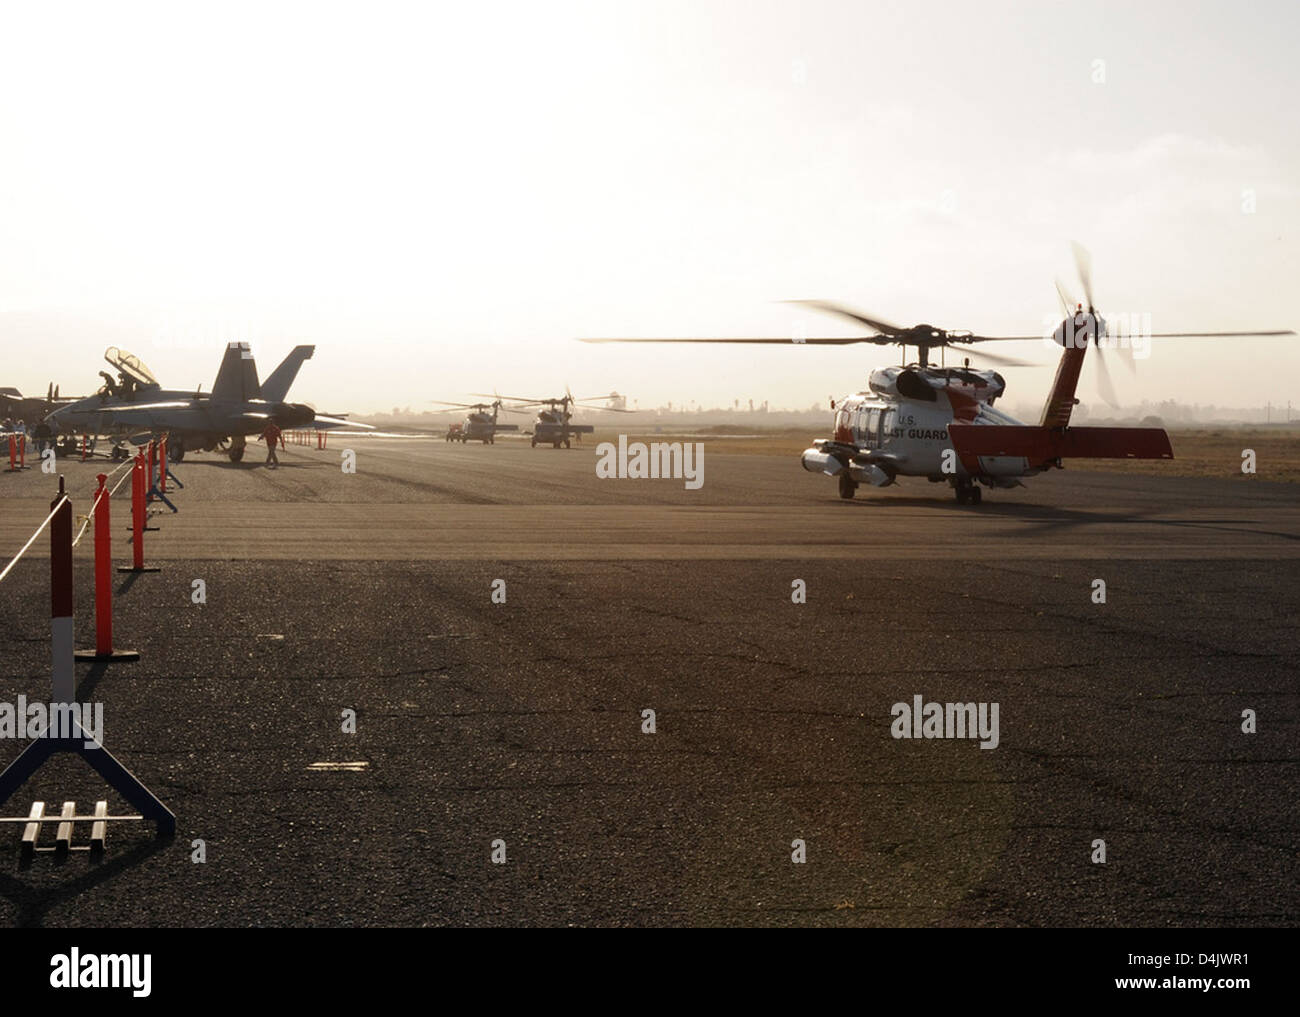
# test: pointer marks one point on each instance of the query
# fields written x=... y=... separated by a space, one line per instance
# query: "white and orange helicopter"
x=939 y=422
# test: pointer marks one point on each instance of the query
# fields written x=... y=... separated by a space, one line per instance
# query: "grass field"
x=1200 y=452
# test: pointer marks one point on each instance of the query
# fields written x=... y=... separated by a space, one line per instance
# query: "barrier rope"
x=57 y=505
x=129 y=462
x=94 y=502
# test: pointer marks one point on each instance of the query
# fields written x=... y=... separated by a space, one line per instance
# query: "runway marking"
x=354 y=767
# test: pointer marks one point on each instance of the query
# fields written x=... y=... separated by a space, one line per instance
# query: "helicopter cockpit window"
x=871 y=427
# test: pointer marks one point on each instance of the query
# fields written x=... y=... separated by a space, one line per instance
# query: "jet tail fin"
x=276 y=387
x=237 y=376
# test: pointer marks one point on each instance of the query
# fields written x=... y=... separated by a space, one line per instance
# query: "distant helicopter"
x=939 y=422
x=478 y=424
x=553 y=425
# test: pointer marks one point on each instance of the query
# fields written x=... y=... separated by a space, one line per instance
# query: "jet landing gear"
x=176 y=451
x=848 y=486
x=236 y=450
x=969 y=493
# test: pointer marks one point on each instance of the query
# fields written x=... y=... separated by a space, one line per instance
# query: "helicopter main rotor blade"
x=878 y=324
x=518 y=399
x=878 y=340
x=1216 y=335
x=956 y=341
x=998 y=358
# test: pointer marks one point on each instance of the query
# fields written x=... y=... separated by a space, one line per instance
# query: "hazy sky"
x=442 y=196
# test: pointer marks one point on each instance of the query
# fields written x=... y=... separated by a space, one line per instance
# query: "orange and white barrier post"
x=138 y=509
x=103 y=651
x=79 y=742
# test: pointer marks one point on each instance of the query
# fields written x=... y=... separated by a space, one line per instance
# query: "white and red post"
x=61 y=634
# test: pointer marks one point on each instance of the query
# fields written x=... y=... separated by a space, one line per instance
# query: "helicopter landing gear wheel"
x=237 y=446
x=534 y=443
x=976 y=495
x=969 y=493
x=848 y=486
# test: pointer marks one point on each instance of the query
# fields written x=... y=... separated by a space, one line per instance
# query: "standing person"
x=271 y=435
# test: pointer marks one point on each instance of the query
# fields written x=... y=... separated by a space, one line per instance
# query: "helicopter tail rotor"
x=1092 y=324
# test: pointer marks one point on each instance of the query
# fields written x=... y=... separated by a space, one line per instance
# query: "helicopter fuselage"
x=900 y=427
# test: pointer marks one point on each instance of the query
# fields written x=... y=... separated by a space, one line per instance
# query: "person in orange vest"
x=271 y=435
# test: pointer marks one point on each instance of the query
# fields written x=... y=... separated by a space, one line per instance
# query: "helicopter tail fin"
x=1060 y=400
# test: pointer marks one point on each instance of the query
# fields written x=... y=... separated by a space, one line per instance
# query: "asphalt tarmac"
x=523 y=722
x=430 y=500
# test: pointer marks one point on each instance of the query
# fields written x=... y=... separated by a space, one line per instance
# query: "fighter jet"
x=237 y=406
